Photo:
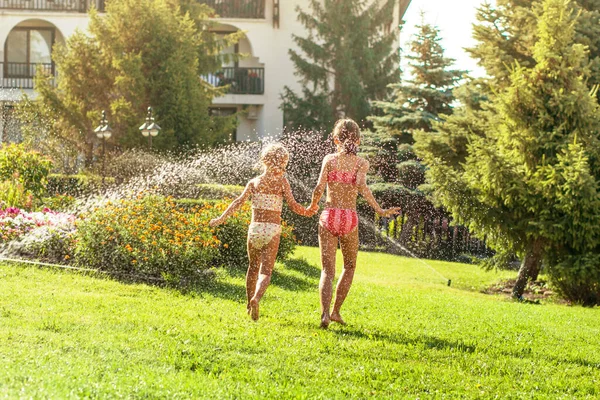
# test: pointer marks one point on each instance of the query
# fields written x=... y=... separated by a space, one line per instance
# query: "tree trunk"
x=530 y=268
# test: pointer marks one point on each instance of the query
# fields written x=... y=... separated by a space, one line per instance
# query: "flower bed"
x=149 y=237
x=15 y=223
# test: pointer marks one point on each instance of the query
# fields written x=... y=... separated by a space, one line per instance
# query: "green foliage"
x=507 y=32
x=346 y=61
x=28 y=168
x=526 y=177
x=74 y=185
x=13 y=194
x=58 y=202
x=138 y=53
x=149 y=237
x=577 y=278
x=416 y=105
x=156 y=238
x=53 y=244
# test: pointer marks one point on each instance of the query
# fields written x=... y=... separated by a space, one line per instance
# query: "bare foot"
x=253 y=310
x=325 y=320
x=336 y=317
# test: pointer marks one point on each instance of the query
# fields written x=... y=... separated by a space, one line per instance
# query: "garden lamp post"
x=103 y=132
x=150 y=128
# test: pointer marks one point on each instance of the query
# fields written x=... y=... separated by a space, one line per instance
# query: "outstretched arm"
x=361 y=183
x=234 y=206
x=320 y=188
x=292 y=203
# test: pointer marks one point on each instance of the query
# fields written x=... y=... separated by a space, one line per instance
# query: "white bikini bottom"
x=261 y=233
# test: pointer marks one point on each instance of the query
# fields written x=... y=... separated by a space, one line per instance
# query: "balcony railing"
x=240 y=80
x=20 y=75
x=81 y=6
x=247 y=9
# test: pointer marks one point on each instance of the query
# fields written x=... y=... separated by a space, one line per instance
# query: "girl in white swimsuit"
x=267 y=192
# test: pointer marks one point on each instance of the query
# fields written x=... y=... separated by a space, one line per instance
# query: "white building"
x=29 y=28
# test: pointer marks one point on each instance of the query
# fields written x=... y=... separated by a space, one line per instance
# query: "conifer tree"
x=346 y=61
x=416 y=105
x=528 y=176
x=506 y=33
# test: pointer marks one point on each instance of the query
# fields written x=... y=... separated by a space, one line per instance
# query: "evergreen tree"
x=416 y=105
x=528 y=178
x=139 y=53
x=506 y=34
x=346 y=61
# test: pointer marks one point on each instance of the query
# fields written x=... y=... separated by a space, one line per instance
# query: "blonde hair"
x=348 y=133
x=274 y=155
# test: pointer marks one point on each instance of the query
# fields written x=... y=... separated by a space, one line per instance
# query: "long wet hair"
x=273 y=155
x=348 y=133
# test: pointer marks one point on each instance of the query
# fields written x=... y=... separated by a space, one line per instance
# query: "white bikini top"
x=265 y=201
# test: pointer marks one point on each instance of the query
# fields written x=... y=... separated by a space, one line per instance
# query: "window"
x=25 y=48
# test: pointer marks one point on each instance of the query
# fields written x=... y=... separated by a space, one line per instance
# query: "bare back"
x=267 y=184
x=342 y=193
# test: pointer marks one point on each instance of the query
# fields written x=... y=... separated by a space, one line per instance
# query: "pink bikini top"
x=348 y=177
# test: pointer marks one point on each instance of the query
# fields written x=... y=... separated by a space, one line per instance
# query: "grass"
x=64 y=335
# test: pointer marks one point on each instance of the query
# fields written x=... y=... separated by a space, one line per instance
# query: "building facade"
x=29 y=29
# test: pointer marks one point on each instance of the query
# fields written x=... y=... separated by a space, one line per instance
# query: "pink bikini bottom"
x=339 y=221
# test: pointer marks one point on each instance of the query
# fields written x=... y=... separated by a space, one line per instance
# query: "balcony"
x=80 y=6
x=244 y=9
x=240 y=80
x=20 y=75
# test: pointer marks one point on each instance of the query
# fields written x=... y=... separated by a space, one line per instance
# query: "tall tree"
x=347 y=60
x=506 y=34
x=416 y=105
x=528 y=176
x=139 y=53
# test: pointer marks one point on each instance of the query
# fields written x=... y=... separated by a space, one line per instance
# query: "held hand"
x=388 y=212
x=215 y=222
x=309 y=212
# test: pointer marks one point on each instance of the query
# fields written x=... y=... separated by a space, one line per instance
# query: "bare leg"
x=269 y=255
x=328 y=244
x=349 y=245
x=254 y=257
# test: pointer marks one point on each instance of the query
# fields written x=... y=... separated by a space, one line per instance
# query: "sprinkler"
x=449 y=282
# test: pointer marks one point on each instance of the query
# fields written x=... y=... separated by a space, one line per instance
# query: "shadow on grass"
x=221 y=290
x=282 y=279
x=430 y=342
x=304 y=267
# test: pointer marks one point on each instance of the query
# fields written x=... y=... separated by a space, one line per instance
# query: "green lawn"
x=64 y=335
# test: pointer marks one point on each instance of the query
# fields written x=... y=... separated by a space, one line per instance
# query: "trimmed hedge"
x=75 y=185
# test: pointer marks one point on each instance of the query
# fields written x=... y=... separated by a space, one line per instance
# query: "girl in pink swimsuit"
x=344 y=175
x=267 y=192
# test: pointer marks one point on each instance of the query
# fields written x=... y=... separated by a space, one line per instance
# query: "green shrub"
x=58 y=202
x=577 y=278
x=46 y=243
x=154 y=237
x=24 y=167
x=75 y=185
x=411 y=173
x=133 y=163
x=14 y=194
x=150 y=237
